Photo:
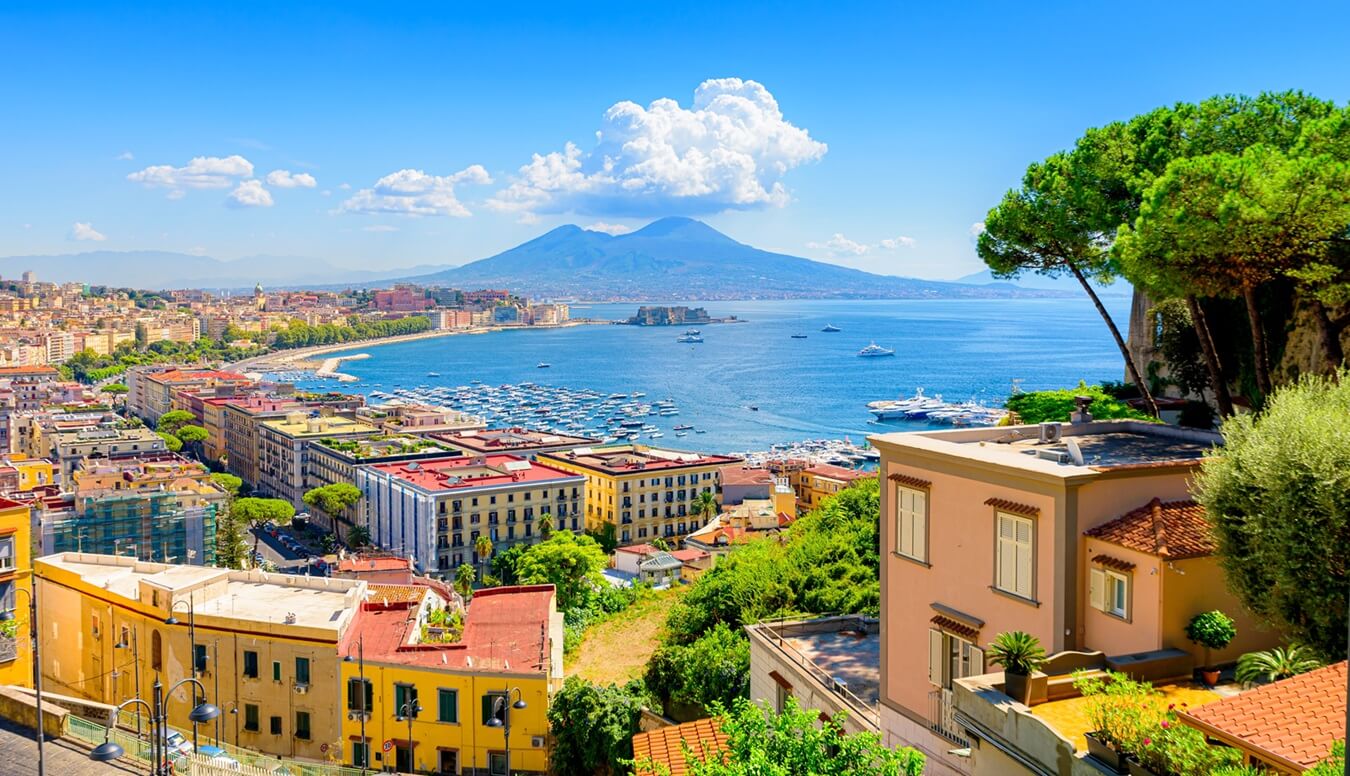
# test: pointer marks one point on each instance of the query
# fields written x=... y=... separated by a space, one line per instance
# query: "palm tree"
x=705 y=505
x=464 y=576
x=1276 y=664
x=482 y=547
x=543 y=525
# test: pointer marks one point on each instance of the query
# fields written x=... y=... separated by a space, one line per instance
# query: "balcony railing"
x=9 y=648
x=942 y=716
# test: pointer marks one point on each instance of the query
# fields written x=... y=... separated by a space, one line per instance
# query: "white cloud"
x=203 y=172
x=977 y=229
x=345 y=186
x=897 y=243
x=83 y=230
x=601 y=226
x=414 y=193
x=728 y=151
x=839 y=245
x=250 y=193
x=379 y=228
x=283 y=179
x=125 y=156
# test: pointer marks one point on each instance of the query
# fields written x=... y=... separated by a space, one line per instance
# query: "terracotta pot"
x=1105 y=754
x=1017 y=687
x=1210 y=675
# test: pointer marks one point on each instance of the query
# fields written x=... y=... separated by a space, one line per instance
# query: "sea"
x=751 y=385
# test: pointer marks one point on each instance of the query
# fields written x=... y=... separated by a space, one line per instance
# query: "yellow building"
x=819 y=482
x=509 y=644
x=16 y=662
x=644 y=492
x=270 y=649
x=283 y=449
x=32 y=472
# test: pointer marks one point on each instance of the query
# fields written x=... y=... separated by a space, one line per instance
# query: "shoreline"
x=303 y=359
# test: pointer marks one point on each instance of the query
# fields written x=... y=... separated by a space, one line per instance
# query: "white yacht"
x=875 y=351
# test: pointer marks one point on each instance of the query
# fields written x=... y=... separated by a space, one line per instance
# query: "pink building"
x=983 y=531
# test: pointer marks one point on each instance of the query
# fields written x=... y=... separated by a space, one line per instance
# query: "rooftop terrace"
x=512 y=440
x=627 y=459
x=1065 y=449
x=463 y=472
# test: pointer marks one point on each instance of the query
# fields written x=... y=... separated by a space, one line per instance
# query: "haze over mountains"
x=670 y=258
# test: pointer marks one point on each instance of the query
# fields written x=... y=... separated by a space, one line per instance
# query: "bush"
x=1056 y=406
x=593 y=725
x=1212 y=630
x=1275 y=494
x=1119 y=709
x=715 y=669
x=1174 y=748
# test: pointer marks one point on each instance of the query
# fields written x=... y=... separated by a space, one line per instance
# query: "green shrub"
x=1212 y=630
x=1018 y=652
x=1051 y=406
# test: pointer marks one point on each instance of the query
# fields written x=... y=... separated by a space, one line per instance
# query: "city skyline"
x=393 y=140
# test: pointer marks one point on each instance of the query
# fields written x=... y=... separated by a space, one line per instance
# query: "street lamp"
x=409 y=711
x=361 y=671
x=7 y=616
x=159 y=726
x=504 y=722
x=192 y=652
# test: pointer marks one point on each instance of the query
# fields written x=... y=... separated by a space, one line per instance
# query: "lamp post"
x=409 y=711
x=37 y=662
x=159 y=726
x=192 y=651
x=234 y=712
x=361 y=671
x=502 y=704
x=135 y=648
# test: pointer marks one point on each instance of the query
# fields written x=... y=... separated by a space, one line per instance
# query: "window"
x=302 y=670
x=359 y=694
x=405 y=699
x=1109 y=591
x=302 y=725
x=911 y=523
x=274 y=725
x=447 y=706
x=199 y=658
x=156 y=651
x=1013 y=559
x=276 y=670
x=250 y=664
x=251 y=717
x=493 y=709
x=952 y=657
x=497 y=763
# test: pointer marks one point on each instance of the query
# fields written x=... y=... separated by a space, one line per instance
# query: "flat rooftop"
x=387 y=446
x=318 y=426
x=847 y=649
x=465 y=472
x=243 y=596
x=1102 y=445
x=514 y=440
x=628 y=459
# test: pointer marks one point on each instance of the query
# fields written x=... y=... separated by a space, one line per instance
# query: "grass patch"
x=616 y=649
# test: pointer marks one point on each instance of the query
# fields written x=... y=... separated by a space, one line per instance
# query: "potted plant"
x=1211 y=630
x=1021 y=655
x=1119 y=710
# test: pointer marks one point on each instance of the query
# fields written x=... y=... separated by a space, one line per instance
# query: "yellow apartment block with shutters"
x=16 y=571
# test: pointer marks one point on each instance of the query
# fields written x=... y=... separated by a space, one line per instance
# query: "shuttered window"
x=1109 y=592
x=1014 y=558
x=952 y=657
x=911 y=523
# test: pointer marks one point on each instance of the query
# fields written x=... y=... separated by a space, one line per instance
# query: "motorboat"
x=875 y=351
x=831 y=328
x=799 y=336
x=542 y=365
x=687 y=337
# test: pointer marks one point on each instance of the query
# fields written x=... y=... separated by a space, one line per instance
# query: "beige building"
x=283 y=449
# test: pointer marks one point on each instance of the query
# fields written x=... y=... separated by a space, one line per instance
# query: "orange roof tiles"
x=744 y=475
x=1292 y=722
x=1012 y=506
x=830 y=471
x=665 y=745
x=1172 y=529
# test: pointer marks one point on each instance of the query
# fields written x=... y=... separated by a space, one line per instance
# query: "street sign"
x=389 y=744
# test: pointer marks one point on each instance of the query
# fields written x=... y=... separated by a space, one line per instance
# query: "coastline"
x=304 y=359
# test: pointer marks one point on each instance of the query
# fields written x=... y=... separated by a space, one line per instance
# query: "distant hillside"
x=1065 y=283
x=164 y=269
x=675 y=258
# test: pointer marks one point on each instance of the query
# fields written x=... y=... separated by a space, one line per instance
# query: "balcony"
x=942 y=717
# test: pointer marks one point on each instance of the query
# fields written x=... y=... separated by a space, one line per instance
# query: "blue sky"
x=389 y=135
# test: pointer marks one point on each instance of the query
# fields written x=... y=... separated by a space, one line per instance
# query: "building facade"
x=284 y=445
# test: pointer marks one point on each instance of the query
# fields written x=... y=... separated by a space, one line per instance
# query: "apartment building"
x=644 y=492
x=332 y=460
x=435 y=510
x=524 y=442
x=283 y=449
x=821 y=481
x=150 y=390
x=422 y=419
x=69 y=448
x=983 y=532
x=16 y=573
x=240 y=421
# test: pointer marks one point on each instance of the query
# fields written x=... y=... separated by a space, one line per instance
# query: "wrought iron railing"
x=942 y=716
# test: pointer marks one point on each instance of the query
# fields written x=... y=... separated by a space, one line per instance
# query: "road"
x=18 y=756
x=284 y=558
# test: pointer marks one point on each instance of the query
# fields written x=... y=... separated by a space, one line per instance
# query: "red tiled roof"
x=913 y=482
x=1172 y=529
x=443 y=474
x=742 y=475
x=830 y=471
x=1012 y=506
x=629 y=459
x=638 y=549
x=203 y=374
x=27 y=370
x=506 y=628
x=688 y=555
x=665 y=745
x=1292 y=722
x=362 y=563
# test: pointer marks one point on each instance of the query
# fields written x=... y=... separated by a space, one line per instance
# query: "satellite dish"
x=1074 y=451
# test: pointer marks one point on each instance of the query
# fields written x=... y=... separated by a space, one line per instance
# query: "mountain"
x=1065 y=283
x=681 y=258
x=164 y=269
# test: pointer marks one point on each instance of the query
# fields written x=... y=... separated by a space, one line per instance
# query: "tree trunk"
x=1138 y=379
x=1329 y=337
x=1212 y=364
x=1259 y=353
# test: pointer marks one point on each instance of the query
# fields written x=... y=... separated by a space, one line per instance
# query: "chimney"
x=1159 y=528
x=1081 y=414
